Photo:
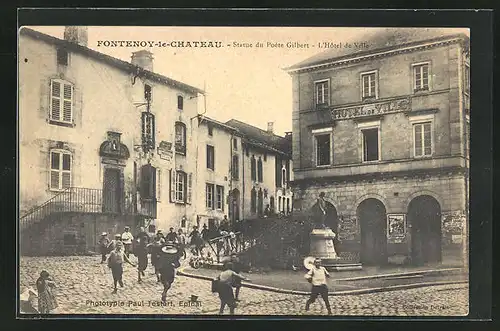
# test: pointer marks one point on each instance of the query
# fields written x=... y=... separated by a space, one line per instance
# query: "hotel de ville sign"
x=373 y=109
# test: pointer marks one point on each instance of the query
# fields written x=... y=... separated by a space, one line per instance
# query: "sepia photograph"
x=251 y=171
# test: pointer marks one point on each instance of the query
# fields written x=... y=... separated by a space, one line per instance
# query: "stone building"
x=103 y=143
x=264 y=171
x=383 y=131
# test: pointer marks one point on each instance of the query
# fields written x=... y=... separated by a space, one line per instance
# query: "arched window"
x=259 y=171
x=253 y=171
x=180 y=102
x=180 y=137
x=253 y=201
x=283 y=177
x=260 y=202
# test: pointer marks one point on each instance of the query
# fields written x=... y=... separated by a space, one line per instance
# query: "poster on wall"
x=396 y=227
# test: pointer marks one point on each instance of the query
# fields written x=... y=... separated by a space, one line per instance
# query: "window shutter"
x=172 y=185
x=222 y=197
x=158 y=184
x=68 y=103
x=152 y=182
x=54 y=179
x=55 y=100
x=153 y=131
x=189 y=188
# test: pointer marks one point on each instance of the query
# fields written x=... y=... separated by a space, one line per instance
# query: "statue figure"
x=320 y=212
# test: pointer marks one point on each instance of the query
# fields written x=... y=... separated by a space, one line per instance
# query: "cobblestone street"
x=84 y=284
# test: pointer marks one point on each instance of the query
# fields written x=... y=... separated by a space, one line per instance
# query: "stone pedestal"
x=322 y=247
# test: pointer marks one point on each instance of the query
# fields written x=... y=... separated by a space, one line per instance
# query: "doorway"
x=372 y=219
x=234 y=205
x=112 y=191
x=424 y=216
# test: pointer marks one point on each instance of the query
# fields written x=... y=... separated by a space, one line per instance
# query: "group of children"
x=166 y=252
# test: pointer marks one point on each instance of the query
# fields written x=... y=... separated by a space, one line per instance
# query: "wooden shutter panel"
x=189 y=188
x=152 y=182
x=55 y=100
x=172 y=185
x=153 y=131
x=158 y=184
x=68 y=103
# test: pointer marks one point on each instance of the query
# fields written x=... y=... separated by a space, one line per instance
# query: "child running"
x=115 y=263
x=317 y=277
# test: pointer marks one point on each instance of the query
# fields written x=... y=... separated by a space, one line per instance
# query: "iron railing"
x=86 y=200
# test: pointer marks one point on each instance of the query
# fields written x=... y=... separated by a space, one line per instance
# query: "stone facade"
x=399 y=184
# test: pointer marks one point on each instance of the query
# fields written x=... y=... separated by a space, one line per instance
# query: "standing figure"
x=156 y=246
x=196 y=240
x=225 y=289
x=112 y=244
x=181 y=237
x=141 y=252
x=238 y=268
x=115 y=263
x=46 y=299
x=168 y=262
x=322 y=207
x=103 y=246
x=127 y=239
x=205 y=234
x=171 y=236
x=317 y=277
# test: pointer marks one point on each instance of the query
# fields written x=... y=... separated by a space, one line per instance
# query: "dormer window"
x=62 y=57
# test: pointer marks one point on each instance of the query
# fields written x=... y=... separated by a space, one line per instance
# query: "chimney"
x=270 y=126
x=76 y=34
x=143 y=59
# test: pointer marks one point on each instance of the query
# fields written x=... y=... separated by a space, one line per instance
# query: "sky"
x=244 y=83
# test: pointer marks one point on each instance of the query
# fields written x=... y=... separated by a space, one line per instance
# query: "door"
x=112 y=191
x=234 y=207
x=372 y=219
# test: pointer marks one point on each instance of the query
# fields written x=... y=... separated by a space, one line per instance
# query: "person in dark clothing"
x=225 y=290
x=236 y=267
x=224 y=225
x=156 y=247
x=143 y=236
x=141 y=252
x=171 y=236
x=103 y=246
x=196 y=240
x=205 y=234
x=169 y=261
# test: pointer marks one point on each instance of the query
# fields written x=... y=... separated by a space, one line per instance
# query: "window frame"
x=217 y=200
x=316 y=93
x=370 y=126
x=210 y=129
x=210 y=190
x=421 y=120
x=235 y=174
x=212 y=149
x=180 y=149
x=260 y=170
x=62 y=83
x=253 y=200
x=368 y=74
x=315 y=134
x=414 y=77
x=180 y=102
x=181 y=174
x=60 y=171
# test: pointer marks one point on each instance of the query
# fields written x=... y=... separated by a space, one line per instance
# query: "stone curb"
x=339 y=293
x=409 y=273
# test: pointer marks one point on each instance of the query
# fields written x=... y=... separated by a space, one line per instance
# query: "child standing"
x=103 y=246
x=317 y=277
x=115 y=263
x=141 y=251
x=46 y=299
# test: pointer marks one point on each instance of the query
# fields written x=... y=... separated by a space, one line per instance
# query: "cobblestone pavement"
x=84 y=285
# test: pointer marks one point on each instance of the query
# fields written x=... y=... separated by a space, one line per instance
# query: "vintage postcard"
x=243 y=171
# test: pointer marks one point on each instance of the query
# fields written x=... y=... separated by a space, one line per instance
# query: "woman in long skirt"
x=46 y=299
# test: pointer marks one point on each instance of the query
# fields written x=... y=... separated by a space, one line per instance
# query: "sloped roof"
x=379 y=39
x=112 y=61
x=262 y=138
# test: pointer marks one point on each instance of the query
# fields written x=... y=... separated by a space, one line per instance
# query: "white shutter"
x=68 y=103
x=189 y=188
x=54 y=179
x=55 y=100
x=173 y=178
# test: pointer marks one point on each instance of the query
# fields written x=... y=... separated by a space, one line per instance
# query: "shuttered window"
x=148 y=189
x=60 y=170
x=61 y=101
x=181 y=185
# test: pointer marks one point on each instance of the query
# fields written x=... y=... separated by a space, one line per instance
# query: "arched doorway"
x=234 y=205
x=424 y=216
x=372 y=219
